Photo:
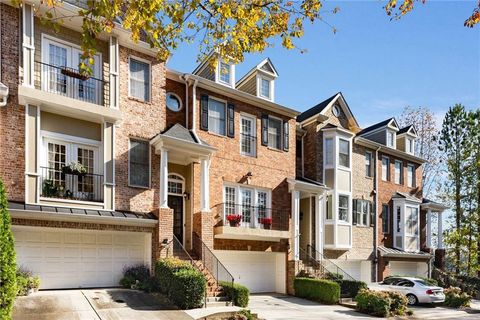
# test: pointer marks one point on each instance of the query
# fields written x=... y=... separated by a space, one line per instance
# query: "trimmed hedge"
x=350 y=288
x=8 y=265
x=136 y=277
x=181 y=282
x=381 y=303
x=237 y=293
x=455 y=298
x=320 y=290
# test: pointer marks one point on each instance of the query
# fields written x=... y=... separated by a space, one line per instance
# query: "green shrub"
x=247 y=314
x=381 y=303
x=333 y=276
x=455 y=298
x=136 y=276
x=237 y=293
x=187 y=290
x=26 y=281
x=8 y=265
x=320 y=290
x=165 y=269
x=350 y=288
x=22 y=283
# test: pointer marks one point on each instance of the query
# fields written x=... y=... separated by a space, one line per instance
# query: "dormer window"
x=225 y=73
x=259 y=81
x=390 y=139
x=410 y=146
x=265 y=88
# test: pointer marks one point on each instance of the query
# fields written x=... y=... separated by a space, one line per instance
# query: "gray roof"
x=384 y=251
x=376 y=126
x=178 y=131
x=16 y=205
x=407 y=196
x=316 y=109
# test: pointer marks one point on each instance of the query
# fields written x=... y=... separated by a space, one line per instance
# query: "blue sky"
x=426 y=58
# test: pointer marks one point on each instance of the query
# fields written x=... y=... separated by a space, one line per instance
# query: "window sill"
x=344 y=168
x=369 y=177
x=139 y=187
x=275 y=149
x=362 y=226
x=253 y=156
x=217 y=134
x=139 y=100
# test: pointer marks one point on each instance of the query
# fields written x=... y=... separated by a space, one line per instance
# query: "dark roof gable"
x=375 y=126
x=316 y=109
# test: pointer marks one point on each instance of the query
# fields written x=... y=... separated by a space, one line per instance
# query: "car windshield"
x=390 y=281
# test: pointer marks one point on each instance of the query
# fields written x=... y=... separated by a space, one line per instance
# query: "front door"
x=176 y=203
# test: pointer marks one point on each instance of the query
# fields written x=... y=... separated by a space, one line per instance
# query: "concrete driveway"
x=96 y=304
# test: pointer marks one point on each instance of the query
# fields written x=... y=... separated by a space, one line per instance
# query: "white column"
x=205 y=185
x=318 y=224
x=28 y=45
x=114 y=72
x=440 y=230
x=163 y=178
x=296 y=224
x=429 y=228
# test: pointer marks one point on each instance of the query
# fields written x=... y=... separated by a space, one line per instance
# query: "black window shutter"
x=230 y=120
x=286 y=135
x=354 y=216
x=204 y=112
x=264 y=129
x=372 y=214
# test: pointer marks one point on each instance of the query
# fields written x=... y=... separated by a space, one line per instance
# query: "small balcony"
x=246 y=222
x=57 y=184
x=69 y=82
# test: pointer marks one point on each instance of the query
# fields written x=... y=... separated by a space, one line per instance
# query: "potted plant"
x=234 y=219
x=49 y=189
x=267 y=223
x=69 y=72
x=75 y=168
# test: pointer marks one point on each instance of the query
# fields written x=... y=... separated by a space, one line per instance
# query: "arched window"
x=176 y=184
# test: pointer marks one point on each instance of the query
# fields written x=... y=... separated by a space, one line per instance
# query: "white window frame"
x=411 y=180
x=329 y=154
x=363 y=203
x=280 y=135
x=349 y=200
x=231 y=71
x=349 y=152
x=210 y=98
x=149 y=164
x=393 y=142
x=410 y=145
x=270 y=88
x=387 y=177
x=408 y=218
x=149 y=63
x=253 y=120
x=400 y=172
x=369 y=174
x=179 y=101
x=238 y=200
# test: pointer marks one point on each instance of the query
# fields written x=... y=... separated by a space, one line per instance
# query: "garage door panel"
x=65 y=258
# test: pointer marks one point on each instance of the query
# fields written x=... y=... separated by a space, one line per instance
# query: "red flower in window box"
x=267 y=222
x=234 y=219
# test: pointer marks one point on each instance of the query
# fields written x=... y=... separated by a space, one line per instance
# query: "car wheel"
x=412 y=300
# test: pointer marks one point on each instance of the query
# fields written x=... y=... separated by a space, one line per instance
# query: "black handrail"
x=72 y=83
x=327 y=264
x=210 y=261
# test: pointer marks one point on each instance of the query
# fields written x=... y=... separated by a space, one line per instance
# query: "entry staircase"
x=315 y=265
x=203 y=259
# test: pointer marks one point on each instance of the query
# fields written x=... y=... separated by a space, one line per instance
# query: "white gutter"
x=3 y=88
x=373 y=145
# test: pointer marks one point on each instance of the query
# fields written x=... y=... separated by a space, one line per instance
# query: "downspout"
x=3 y=88
x=194 y=110
x=303 y=155
x=375 y=201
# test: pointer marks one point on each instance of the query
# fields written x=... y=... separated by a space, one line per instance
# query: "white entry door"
x=73 y=258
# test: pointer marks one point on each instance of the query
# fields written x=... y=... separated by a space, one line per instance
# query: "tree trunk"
x=458 y=225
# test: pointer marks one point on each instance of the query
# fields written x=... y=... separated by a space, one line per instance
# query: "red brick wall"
x=387 y=188
x=12 y=116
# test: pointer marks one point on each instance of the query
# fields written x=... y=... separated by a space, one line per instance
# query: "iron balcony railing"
x=210 y=261
x=248 y=145
x=71 y=83
x=253 y=216
x=57 y=184
x=329 y=268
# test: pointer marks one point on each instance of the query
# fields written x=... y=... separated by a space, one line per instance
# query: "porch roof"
x=435 y=206
x=396 y=253
x=406 y=196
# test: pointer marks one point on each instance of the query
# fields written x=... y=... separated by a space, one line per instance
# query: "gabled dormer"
x=384 y=132
x=406 y=139
x=220 y=71
x=260 y=81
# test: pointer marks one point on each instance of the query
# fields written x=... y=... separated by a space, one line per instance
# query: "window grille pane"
x=274 y=133
x=265 y=88
x=139 y=163
x=216 y=116
x=225 y=72
x=139 y=80
x=344 y=153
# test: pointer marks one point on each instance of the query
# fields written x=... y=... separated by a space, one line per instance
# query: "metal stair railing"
x=328 y=266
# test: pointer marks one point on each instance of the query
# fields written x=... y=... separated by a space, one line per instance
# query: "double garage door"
x=73 y=258
x=258 y=271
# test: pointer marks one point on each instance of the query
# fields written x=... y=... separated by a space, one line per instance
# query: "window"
x=410 y=146
x=329 y=151
x=229 y=200
x=368 y=164
x=399 y=219
x=173 y=102
x=390 y=139
x=139 y=80
x=248 y=139
x=398 y=172
x=363 y=208
x=411 y=221
x=411 y=175
x=224 y=73
x=216 y=116
x=252 y=204
x=265 y=88
x=274 y=133
x=330 y=207
x=385 y=169
x=344 y=153
x=336 y=111
x=139 y=163
x=343 y=208
x=385 y=218
x=175 y=184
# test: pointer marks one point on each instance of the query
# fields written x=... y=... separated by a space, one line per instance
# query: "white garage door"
x=258 y=271
x=72 y=258
x=358 y=269
x=402 y=268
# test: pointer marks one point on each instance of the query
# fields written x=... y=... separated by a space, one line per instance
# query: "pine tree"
x=8 y=284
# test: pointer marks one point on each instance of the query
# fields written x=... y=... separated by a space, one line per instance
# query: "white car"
x=416 y=290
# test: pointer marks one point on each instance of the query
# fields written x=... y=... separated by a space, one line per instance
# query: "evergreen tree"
x=8 y=267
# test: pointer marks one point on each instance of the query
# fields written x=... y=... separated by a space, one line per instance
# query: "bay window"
x=344 y=153
x=411 y=221
x=329 y=151
x=343 y=206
